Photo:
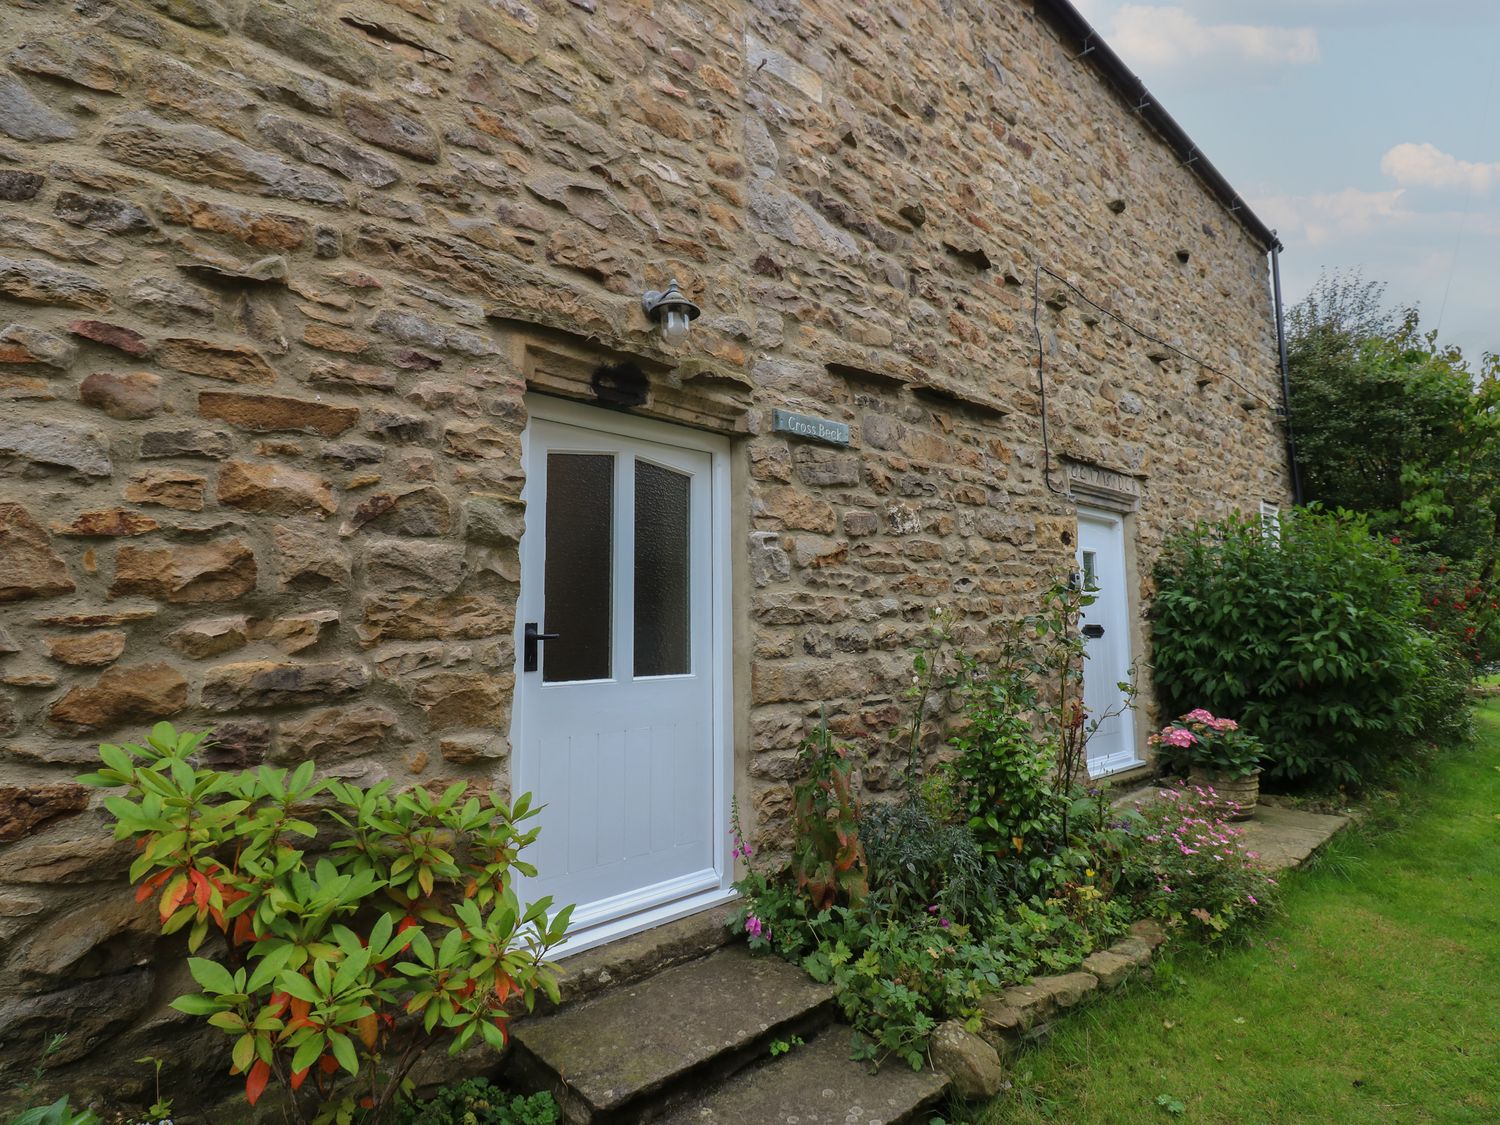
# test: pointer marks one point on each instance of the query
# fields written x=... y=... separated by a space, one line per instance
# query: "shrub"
x=404 y=932
x=915 y=860
x=1191 y=867
x=1309 y=637
x=476 y=1102
x=828 y=862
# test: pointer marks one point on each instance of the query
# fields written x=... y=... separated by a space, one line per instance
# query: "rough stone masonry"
x=274 y=278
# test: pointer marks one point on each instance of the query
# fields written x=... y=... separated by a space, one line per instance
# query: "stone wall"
x=273 y=279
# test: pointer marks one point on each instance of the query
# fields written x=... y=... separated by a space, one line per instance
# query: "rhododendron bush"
x=404 y=930
x=1191 y=867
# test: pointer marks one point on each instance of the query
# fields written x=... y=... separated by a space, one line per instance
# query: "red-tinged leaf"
x=368 y=1028
x=255 y=1081
x=172 y=898
x=299 y=1077
x=328 y=1064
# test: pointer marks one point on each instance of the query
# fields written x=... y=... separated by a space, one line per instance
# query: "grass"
x=1374 y=997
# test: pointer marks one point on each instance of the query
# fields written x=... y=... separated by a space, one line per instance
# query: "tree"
x=1393 y=425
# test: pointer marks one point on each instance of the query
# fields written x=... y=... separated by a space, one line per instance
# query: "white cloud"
x=1153 y=36
x=1324 y=218
x=1426 y=165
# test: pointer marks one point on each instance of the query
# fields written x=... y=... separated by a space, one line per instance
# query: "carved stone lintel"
x=1104 y=487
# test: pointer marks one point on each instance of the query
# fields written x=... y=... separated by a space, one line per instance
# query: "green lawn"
x=1374 y=998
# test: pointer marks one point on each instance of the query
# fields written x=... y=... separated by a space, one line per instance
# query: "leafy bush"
x=476 y=1102
x=915 y=861
x=1200 y=741
x=1192 y=868
x=1308 y=636
x=406 y=930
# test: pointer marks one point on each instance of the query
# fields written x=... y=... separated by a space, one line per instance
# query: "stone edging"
x=973 y=1061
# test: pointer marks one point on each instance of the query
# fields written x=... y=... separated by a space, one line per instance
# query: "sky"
x=1365 y=132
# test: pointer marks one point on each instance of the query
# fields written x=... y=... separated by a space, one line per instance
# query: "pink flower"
x=1199 y=715
x=1252 y=899
x=754 y=927
x=1179 y=737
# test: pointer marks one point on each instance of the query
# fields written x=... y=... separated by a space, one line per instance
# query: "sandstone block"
x=269 y=230
x=972 y=1064
x=125 y=693
x=187 y=573
x=297 y=632
x=468 y=749
x=29 y=567
x=17 y=186
x=107 y=522
x=232 y=363
x=409 y=617
x=404 y=564
x=85 y=60
x=479 y=441
x=210 y=636
x=213 y=444
x=86 y=853
x=169 y=301
x=493 y=519
x=81 y=448
x=25 y=118
x=275 y=489
x=94 y=1013
x=167 y=488
x=328 y=150
x=378 y=123
x=25 y=807
x=91 y=650
x=42 y=283
x=1066 y=989
x=421 y=511
x=270 y=683
x=409 y=328
x=339 y=732
x=283 y=28
x=171 y=85
x=308 y=557
x=277 y=413
x=111 y=335
x=460 y=699
x=237 y=744
x=1110 y=968
x=203 y=155
x=109 y=214
x=22 y=343
x=104 y=937
x=1149 y=932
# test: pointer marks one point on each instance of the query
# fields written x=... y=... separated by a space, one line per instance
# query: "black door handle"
x=528 y=650
x=1093 y=632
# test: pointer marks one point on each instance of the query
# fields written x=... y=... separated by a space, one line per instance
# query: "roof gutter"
x=1070 y=22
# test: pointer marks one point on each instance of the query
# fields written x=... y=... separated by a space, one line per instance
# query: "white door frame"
x=1116 y=619
x=627 y=915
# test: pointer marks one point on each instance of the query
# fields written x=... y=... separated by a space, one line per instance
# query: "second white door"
x=1106 y=630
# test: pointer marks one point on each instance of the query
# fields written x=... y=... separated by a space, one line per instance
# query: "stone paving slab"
x=818 y=1084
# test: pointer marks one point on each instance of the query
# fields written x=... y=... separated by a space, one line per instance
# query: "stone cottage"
x=333 y=419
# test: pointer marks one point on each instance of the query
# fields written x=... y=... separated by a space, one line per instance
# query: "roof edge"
x=1070 y=21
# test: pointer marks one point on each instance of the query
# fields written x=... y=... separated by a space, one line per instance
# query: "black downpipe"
x=1286 y=382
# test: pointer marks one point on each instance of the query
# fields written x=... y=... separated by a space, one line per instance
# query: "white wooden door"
x=618 y=728
x=1106 y=630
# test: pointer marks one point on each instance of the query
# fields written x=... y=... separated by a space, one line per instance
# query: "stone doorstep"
x=631 y=1052
x=817 y=1084
x=634 y=958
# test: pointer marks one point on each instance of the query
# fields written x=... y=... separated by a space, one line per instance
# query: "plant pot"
x=1237 y=796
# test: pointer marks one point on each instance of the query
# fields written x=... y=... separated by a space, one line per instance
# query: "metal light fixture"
x=670 y=309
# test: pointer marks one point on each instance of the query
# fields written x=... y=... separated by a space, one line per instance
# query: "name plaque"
x=806 y=426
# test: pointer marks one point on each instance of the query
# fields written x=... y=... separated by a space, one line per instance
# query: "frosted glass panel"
x=580 y=524
x=661 y=571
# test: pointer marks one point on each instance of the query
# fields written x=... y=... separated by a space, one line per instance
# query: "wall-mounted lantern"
x=671 y=310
